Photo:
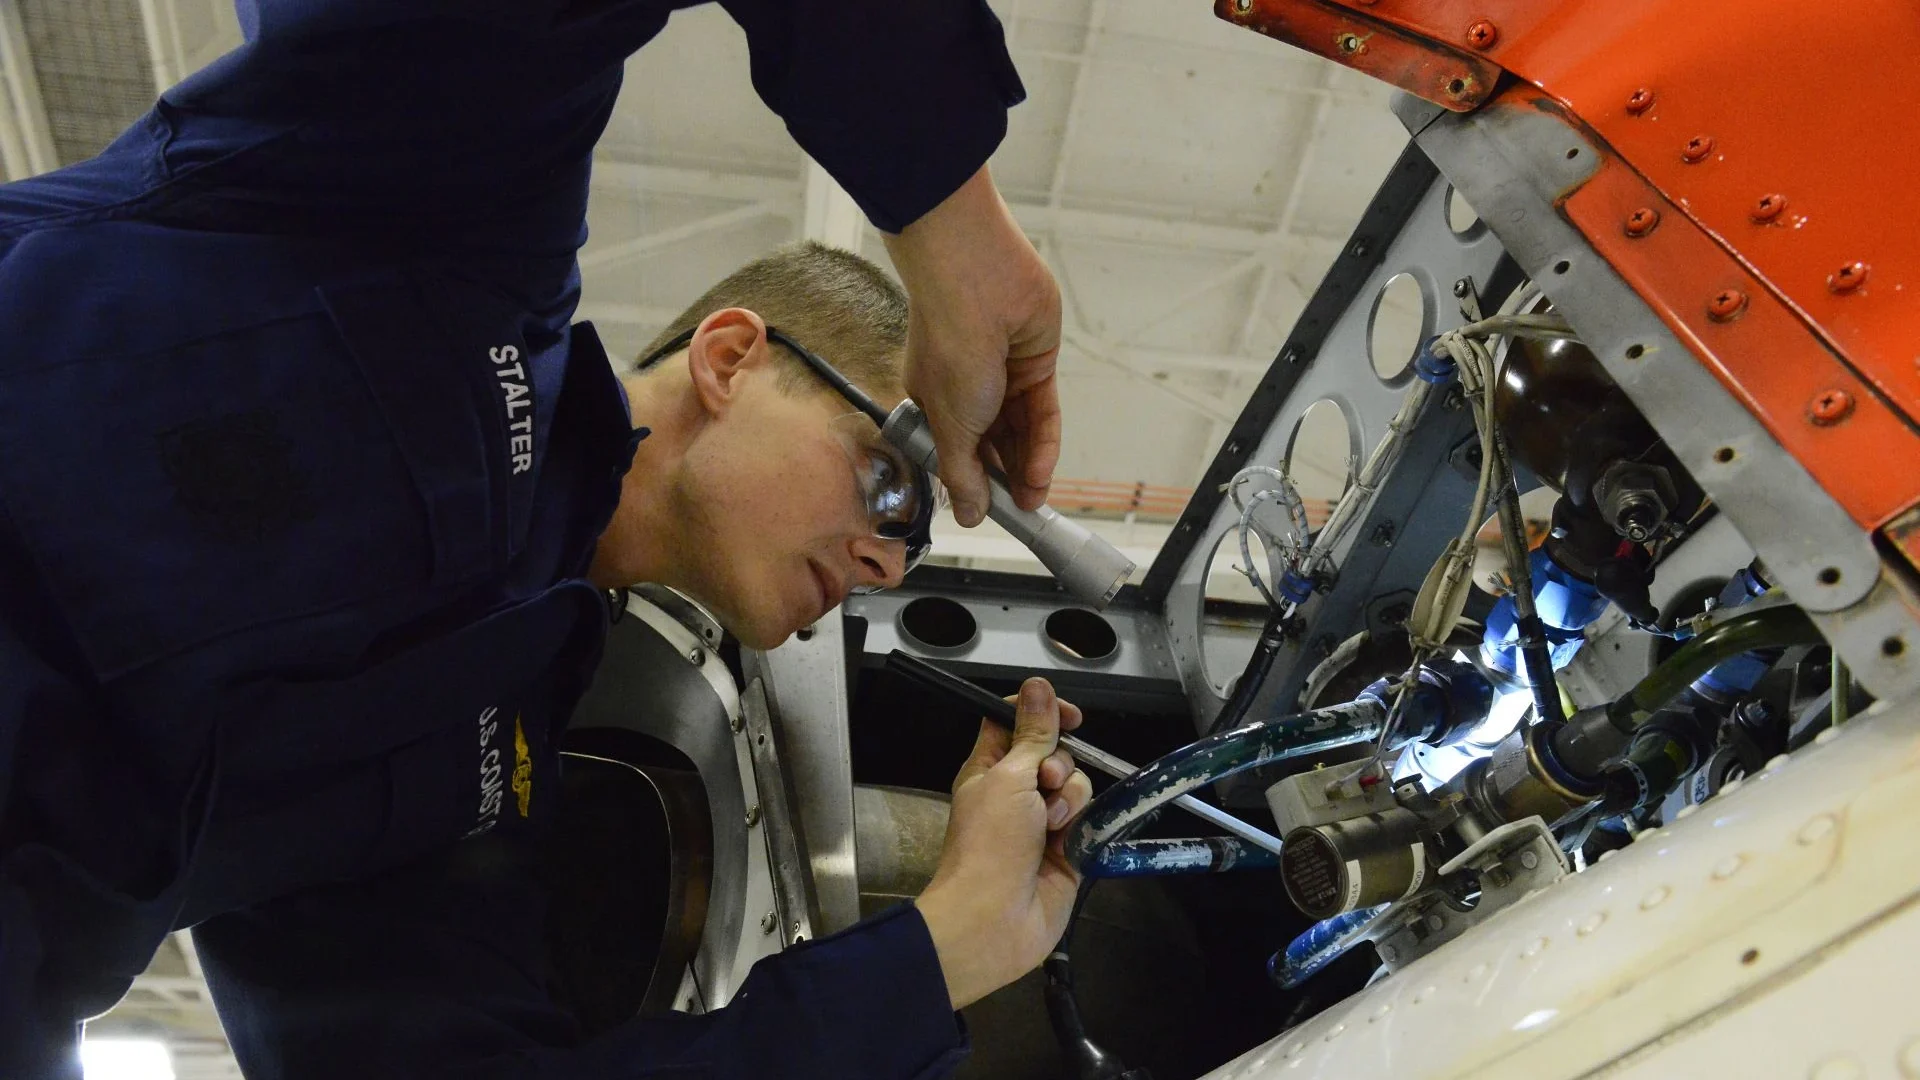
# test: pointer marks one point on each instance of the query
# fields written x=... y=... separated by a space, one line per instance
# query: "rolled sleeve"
x=900 y=102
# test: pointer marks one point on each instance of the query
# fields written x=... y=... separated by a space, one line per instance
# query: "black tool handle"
x=941 y=681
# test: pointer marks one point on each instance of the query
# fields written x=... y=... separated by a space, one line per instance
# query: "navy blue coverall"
x=300 y=467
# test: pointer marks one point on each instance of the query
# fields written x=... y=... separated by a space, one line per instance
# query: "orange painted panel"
x=1785 y=134
x=1835 y=423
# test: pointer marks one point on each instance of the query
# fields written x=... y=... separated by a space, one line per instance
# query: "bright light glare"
x=126 y=1059
x=1509 y=705
x=1535 y=1018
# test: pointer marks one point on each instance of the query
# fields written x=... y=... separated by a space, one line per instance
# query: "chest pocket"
x=285 y=468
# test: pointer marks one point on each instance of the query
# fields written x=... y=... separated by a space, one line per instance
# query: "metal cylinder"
x=1090 y=568
x=1651 y=768
x=1507 y=786
x=1360 y=862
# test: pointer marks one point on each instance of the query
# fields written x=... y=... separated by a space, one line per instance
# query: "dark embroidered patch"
x=236 y=476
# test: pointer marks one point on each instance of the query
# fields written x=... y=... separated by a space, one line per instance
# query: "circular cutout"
x=1893 y=646
x=1461 y=218
x=1080 y=634
x=1749 y=956
x=1723 y=455
x=1399 y=326
x=935 y=622
x=1229 y=611
x=1320 y=457
x=1830 y=576
x=1562 y=266
x=1226 y=577
x=1635 y=352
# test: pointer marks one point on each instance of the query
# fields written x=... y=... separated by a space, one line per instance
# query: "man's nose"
x=879 y=564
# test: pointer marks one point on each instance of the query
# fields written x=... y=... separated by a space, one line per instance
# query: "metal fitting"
x=697 y=657
x=1697 y=149
x=1755 y=714
x=1640 y=101
x=1848 y=278
x=1642 y=221
x=1357 y=862
x=1482 y=34
x=1829 y=407
x=1726 y=304
x=753 y=815
x=1635 y=499
x=1769 y=207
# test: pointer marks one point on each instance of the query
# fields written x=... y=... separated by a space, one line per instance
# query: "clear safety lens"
x=884 y=481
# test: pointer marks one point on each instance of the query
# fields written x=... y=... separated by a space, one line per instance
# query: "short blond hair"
x=834 y=302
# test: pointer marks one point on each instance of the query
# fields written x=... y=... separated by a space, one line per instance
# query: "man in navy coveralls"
x=307 y=486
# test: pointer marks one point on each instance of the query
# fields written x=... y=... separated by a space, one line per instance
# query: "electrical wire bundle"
x=1469 y=352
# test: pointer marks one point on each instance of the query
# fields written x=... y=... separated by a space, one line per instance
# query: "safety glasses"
x=898 y=497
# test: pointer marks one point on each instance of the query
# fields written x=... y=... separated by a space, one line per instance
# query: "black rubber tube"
x=1535 y=658
x=1265 y=651
x=1743 y=632
x=1087 y=1059
x=1585 y=745
x=1538 y=662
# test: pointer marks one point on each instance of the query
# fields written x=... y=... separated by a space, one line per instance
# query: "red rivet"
x=1640 y=101
x=1697 y=149
x=1483 y=34
x=1848 y=278
x=1726 y=304
x=1769 y=207
x=1642 y=221
x=1830 y=407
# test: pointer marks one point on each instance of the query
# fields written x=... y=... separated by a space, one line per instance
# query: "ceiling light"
x=126 y=1059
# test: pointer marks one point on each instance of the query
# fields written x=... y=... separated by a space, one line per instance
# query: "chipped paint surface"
x=1125 y=805
x=1199 y=855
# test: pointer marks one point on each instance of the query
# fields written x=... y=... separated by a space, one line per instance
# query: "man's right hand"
x=983 y=344
x=1003 y=892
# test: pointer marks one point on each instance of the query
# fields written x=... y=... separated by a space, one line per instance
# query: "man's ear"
x=725 y=345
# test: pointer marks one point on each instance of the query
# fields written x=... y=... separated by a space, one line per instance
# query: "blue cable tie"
x=1295 y=587
x=1432 y=368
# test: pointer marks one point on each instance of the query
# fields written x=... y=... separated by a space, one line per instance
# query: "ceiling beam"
x=1076 y=102
x=643 y=316
x=635 y=179
x=1145 y=230
x=166 y=53
x=1243 y=341
x=831 y=216
x=1091 y=347
x=1172 y=360
x=640 y=246
x=1166 y=310
x=26 y=136
x=1316 y=134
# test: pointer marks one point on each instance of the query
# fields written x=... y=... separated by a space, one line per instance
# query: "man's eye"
x=880 y=471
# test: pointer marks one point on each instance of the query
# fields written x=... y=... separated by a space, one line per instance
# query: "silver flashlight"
x=1090 y=568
